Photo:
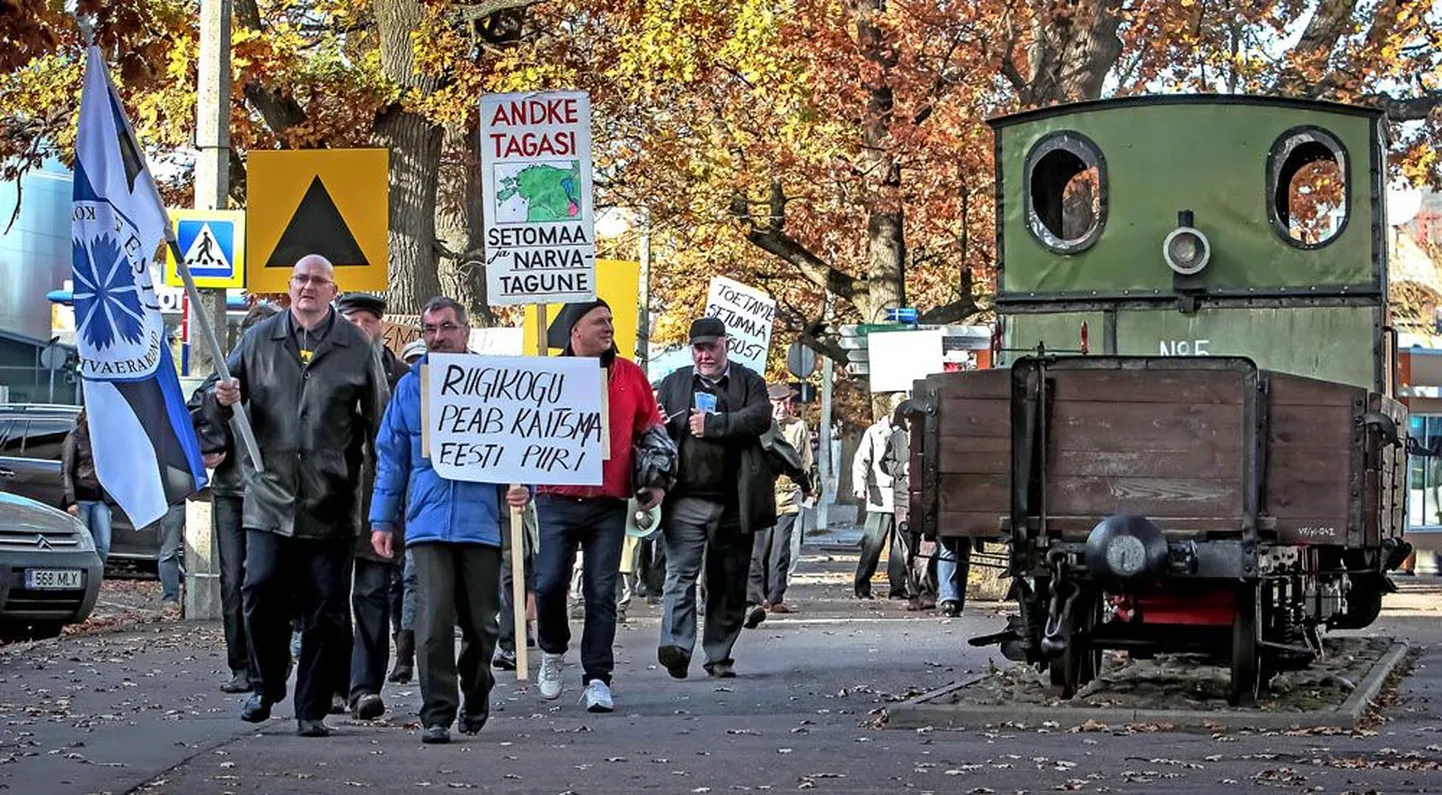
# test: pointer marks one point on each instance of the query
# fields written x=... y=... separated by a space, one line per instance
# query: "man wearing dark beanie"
x=591 y=517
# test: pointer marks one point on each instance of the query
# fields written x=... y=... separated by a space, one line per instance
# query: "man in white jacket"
x=872 y=484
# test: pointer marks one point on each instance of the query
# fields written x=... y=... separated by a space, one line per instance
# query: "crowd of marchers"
x=345 y=544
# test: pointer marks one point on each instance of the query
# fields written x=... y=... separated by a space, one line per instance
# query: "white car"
x=50 y=572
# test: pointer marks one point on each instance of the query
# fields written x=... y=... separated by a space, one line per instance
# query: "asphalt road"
x=139 y=711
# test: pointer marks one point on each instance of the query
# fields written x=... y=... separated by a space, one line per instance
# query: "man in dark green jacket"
x=716 y=411
x=314 y=389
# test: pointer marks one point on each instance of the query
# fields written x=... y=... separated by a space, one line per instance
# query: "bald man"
x=315 y=392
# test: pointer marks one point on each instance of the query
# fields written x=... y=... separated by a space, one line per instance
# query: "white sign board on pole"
x=515 y=419
x=897 y=358
x=540 y=220
x=747 y=313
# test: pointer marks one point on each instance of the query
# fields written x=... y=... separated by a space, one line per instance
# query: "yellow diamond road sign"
x=331 y=202
x=213 y=244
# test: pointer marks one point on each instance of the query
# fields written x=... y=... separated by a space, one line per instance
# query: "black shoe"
x=472 y=724
x=312 y=728
x=239 y=683
x=722 y=670
x=504 y=660
x=434 y=735
x=256 y=709
x=337 y=705
x=755 y=614
x=951 y=608
x=674 y=660
x=865 y=595
x=368 y=707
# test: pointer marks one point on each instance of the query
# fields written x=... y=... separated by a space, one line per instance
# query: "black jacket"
x=312 y=423
x=394 y=368
x=739 y=428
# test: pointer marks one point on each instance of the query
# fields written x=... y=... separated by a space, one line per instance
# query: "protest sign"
x=515 y=419
x=747 y=313
x=539 y=217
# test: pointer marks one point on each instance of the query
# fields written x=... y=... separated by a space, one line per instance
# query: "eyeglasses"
x=302 y=280
x=429 y=330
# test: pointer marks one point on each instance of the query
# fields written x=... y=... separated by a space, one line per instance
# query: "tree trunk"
x=1074 y=46
x=459 y=223
x=885 y=227
x=415 y=154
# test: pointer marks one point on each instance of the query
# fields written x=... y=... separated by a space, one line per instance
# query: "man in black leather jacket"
x=314 y=389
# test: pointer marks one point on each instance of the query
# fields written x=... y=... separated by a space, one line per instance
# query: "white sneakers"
x=549 y=677
x=597 y=697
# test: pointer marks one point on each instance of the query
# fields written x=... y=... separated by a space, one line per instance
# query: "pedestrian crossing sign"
x=213 y=244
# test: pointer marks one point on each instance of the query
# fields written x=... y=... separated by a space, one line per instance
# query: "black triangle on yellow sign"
x=317 y=228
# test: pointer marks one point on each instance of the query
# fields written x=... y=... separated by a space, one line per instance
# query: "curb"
x=917 y=713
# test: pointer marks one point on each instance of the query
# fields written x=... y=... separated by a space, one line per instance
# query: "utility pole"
x=826 y=467
x=643 y=312
x=212 y=188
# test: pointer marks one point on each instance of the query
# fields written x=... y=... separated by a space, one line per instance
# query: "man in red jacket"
x=591 y=517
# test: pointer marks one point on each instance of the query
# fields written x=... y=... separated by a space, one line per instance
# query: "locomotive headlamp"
x=1186 y=249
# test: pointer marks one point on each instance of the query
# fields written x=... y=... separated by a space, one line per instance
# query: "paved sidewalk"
x=139 y=711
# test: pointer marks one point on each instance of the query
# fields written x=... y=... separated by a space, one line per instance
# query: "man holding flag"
x=145 y=449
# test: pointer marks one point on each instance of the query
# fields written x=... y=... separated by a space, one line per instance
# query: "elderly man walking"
x=771 y=551
x=373 y=600
x=716 y=412
x=453 y=535
x=314 y=389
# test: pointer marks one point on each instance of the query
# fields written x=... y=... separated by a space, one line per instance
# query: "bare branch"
x=770 y=236
x=1409 y=109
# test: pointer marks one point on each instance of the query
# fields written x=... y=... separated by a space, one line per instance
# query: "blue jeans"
x=951 y=578
x=598 y=527
x=96 y=517
x=172 y=525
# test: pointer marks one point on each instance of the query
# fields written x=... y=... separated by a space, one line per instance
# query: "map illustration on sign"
x=538 y=192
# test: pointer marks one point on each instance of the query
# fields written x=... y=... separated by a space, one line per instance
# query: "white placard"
x=747 y=313
x=897 y=358
x=536 y=175
x=515 y=419
x=496 y=341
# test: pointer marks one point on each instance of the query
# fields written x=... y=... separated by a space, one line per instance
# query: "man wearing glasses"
x=453 y=535
x=314 y=389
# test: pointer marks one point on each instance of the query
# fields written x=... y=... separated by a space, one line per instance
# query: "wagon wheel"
x=1081 y=662
x=1246 y=648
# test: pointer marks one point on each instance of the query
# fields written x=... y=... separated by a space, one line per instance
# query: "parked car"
x=32 y=436
x=50 y=572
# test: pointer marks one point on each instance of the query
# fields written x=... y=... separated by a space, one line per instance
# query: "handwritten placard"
x=515 y=419
x=748 y=314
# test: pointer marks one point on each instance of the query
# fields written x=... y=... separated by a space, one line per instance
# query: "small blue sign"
x=209 y=247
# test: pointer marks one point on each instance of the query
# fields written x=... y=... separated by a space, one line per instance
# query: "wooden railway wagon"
x=1237 y=500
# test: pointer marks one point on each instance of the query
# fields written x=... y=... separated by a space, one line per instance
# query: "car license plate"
x=53 y=579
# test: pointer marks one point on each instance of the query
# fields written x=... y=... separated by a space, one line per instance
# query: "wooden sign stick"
x=518 y=546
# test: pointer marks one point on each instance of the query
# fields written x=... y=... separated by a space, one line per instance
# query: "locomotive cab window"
x=1066 y=192
x=1307 y=190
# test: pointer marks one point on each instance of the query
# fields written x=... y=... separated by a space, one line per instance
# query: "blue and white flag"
x=146 y=453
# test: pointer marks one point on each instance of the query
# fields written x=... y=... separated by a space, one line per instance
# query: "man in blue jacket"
x=453 y=534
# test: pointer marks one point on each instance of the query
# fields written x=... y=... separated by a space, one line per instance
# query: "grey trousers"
x=699 y=529
x=455 y=583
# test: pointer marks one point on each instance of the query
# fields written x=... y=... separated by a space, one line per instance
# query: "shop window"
x=1307 y=190
x=1066 y=192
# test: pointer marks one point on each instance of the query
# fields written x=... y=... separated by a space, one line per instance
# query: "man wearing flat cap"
x=591 y=517
x=377 y=586
x=716 y=412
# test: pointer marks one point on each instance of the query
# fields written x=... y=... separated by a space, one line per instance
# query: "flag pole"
x=238 y=418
